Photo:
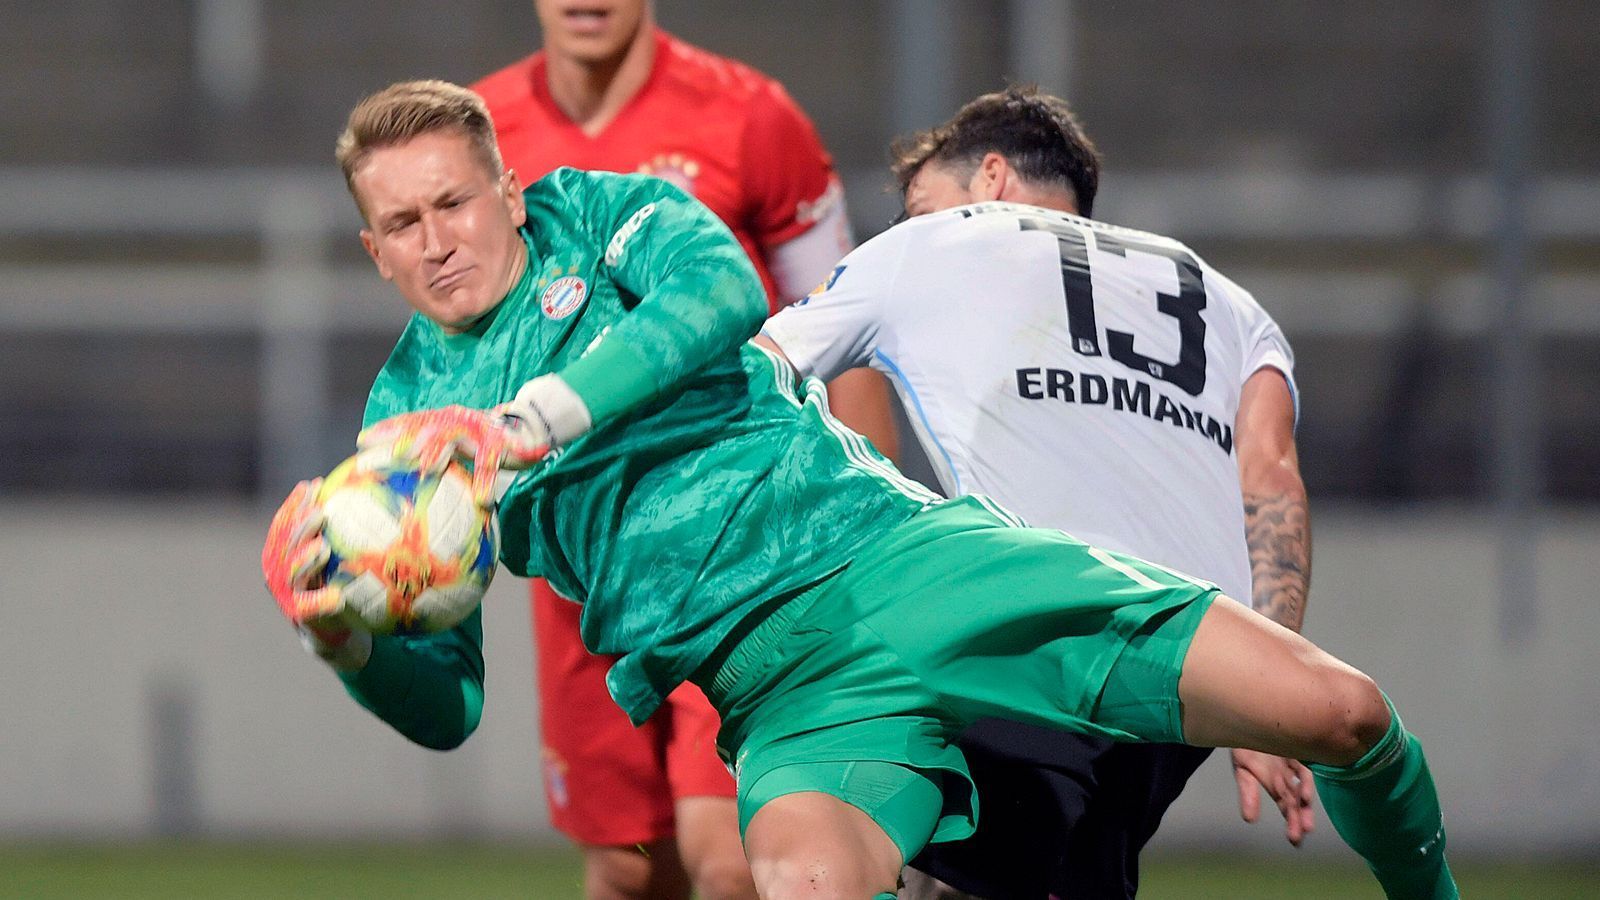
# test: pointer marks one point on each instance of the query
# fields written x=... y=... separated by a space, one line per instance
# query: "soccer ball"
x=411 y=553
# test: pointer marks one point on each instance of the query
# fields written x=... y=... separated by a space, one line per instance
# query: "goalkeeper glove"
x=292 y=561
x=545 y=414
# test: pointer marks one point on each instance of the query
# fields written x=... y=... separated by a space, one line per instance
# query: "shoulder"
x=590 y=185
x=1135 y=236
x=1221 y=290
x=958 y=224
x=719 y=79
x=882 y=255
x=510 y=88
x=687 y=64
x=556 y=205
x=571 y=199
x=1217 y=284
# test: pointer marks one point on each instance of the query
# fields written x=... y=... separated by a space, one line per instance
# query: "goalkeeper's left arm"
x=429 y=688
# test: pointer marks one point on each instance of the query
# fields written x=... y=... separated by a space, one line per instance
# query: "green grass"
x=389 y=871
x=1170 y=878
x=247 y=872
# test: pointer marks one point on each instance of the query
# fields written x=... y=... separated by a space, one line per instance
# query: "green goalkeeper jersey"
x=711 y=481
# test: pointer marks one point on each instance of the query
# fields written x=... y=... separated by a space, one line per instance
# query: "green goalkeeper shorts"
x=859 y=686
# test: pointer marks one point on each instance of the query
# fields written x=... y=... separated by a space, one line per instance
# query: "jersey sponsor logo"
x=619 y=241
x=674 y=168
x=563 y=297
x=1123 y=395
x=824 y=286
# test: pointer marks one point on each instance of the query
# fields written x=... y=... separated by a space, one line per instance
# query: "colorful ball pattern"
x=411 y=553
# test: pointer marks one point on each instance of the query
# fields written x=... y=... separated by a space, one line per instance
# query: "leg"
x=708 y=842
x=1250 y=682
x=839 y=828
x=815 y=846
x=641 y=872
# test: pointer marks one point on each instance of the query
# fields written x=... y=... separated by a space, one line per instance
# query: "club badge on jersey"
x=674 y=168
x=563 y=297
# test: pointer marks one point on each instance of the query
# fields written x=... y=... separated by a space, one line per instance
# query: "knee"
x=816 y=877
x=815 y=846
x=783 y=879
x=1355 y=718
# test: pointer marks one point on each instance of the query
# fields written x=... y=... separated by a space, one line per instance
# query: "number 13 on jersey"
x=1188 y=372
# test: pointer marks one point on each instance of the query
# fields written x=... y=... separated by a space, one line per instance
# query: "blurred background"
x=188 y=326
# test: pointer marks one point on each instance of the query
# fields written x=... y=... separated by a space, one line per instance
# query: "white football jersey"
x=1086 y=376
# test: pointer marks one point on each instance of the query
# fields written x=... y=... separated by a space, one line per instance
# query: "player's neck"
x=592 y=94
x=1059 y=201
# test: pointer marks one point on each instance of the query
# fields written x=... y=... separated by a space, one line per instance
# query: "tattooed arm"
x=1277 y=520
x=1278 y=532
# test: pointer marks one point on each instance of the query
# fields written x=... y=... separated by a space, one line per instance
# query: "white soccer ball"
x=410 y=553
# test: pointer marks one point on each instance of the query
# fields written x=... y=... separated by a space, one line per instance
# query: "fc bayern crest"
x=679 y=170
x=563 y=297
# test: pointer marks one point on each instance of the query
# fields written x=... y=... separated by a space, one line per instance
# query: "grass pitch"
x=389 y=871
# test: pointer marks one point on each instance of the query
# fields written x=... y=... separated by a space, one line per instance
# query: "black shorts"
x=1061 y=813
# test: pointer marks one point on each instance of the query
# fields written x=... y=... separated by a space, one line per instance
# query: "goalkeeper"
x=591 y=336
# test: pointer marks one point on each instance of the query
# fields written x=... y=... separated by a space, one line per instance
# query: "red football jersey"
x=715 y=127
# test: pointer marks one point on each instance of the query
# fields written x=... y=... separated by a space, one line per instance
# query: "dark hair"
x=1036 y=133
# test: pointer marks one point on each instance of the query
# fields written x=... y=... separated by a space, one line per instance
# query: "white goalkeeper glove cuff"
x=549 y=404
x=348 y=655
x=546 y=413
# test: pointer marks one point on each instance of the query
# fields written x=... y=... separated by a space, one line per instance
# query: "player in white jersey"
x=1092 y=378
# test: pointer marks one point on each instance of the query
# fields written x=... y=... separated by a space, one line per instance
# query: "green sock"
x=1385 y=807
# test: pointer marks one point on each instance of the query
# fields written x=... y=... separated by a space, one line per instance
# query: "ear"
x=370 y=244
x=994 y=179
x=511 y=186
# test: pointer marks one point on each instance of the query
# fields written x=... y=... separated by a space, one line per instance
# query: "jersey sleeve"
x=840 y=324
x=788 y=178
x=428 y=688
x=699 y=295
x=805 y=260
x=1265 y=346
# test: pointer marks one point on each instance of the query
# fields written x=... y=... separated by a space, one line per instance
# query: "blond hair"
x=407 y=109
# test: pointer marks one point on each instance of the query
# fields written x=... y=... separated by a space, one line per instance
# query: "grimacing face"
x=441 y=226
x=936 y=187
x=590 y=31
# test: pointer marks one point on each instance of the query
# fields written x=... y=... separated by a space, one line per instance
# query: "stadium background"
x=187 y=326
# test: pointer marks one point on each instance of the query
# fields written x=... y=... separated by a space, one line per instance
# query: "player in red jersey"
x=653 y=807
